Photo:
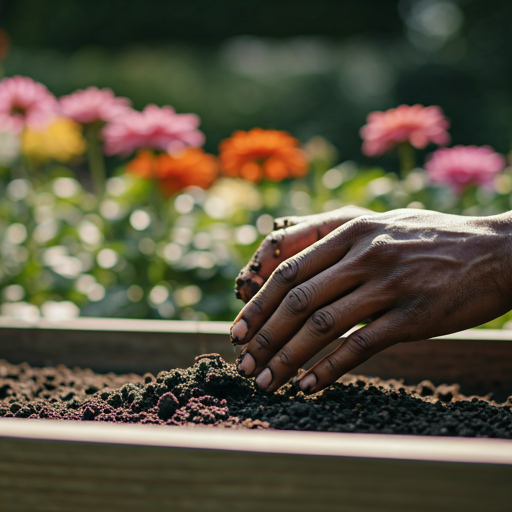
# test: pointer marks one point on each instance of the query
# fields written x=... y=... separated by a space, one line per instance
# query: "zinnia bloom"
x=25 y=102
x=259 y=153
x=93 y=105
x=462 y=166
x=175 y=172
x=62 y=140
x=153 y=128
x=418 y=125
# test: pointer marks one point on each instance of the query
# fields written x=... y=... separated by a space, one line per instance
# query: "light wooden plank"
x=186 y=326
x=425 y=448
x=118 y=324
x=71 y=467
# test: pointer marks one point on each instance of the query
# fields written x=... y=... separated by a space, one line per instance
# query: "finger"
x=297 y=235
x=322 y=327
x=297 y=269
x=301 y=267
x=276 y=248
x=384 y=332
x=298 y=305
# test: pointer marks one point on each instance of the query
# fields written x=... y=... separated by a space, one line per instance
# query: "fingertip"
x=246 y=364
x=264 y=379
x=247 y=285
x=238 y=332
x=308 y=382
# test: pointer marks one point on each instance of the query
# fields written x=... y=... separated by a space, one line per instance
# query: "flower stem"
x=95 y=157
x=407 y=158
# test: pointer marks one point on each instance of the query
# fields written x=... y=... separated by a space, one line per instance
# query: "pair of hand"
x=411 y=274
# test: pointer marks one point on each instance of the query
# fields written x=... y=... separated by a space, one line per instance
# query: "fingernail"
x=239 y=330
x=247 y=364
x=264 y=379
x=308 y=382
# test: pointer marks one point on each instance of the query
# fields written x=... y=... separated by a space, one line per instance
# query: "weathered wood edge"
x=197 y=327
x=376 y=446
x=118 y=325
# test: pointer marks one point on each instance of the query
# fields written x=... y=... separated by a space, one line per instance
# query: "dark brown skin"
x=414 y=273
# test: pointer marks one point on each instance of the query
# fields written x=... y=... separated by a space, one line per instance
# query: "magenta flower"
x=418 y=125
x=153 y=128
x=25 y=102
x=462 y=166
x=93 y=105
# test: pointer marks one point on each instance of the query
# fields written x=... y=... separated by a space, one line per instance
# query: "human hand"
x=415 y=273
x=291 y=235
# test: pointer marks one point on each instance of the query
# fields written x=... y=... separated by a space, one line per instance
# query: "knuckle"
x=381 y=250
x=275 y=237
x=382 y=241
x=418 y=310
x=360 y=344
x=360 y=225
x=263 y=340
x=381 y=245
x=297 y=299
x=287 y=271
x=285 y=357
x=255 y=306
x=322 y=321
x=332 y=365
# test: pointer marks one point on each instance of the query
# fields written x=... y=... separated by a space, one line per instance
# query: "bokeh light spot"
x=116 y=186
x=13 y=293
x=66 y=187
x=135 y=293
x=265 y=224
x=188 y=296
x=18 y=189
x=332 y=179
x=184 y=203
x=140 y=220
x=159 y=294
x=246 y=235
x=16 y=233
x=107 y=258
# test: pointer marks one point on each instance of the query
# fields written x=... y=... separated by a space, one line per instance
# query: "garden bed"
x=78 y=465
x=212 y=393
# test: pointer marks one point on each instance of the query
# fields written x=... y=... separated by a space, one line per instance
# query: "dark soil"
x=212 y=393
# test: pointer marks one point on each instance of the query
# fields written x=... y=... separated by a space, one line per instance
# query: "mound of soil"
x=213 y=393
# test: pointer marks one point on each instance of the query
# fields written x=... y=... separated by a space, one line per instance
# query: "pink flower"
x=417 y=124
x=462 y=166
x=25 y=102
x=153 y=128
x=93 y=105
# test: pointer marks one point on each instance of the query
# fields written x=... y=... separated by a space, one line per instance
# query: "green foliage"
x=135 y=254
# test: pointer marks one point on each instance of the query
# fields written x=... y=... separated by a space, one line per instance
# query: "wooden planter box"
x=82 y=466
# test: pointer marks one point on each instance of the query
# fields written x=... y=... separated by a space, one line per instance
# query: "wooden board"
x=78 y=467
x=48 y=466
x=480 y=360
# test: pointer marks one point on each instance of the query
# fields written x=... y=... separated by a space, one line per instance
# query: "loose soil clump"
x=212 y=393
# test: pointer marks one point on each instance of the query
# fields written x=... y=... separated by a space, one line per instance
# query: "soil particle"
x=212 y=393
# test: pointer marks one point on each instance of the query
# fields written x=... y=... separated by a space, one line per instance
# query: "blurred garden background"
x=92 y=227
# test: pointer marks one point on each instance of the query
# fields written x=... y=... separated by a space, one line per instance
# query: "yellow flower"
x=61 y=140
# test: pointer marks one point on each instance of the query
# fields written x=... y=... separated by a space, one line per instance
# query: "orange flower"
x=175 y=172
x=259 y=153
x=143 y=165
